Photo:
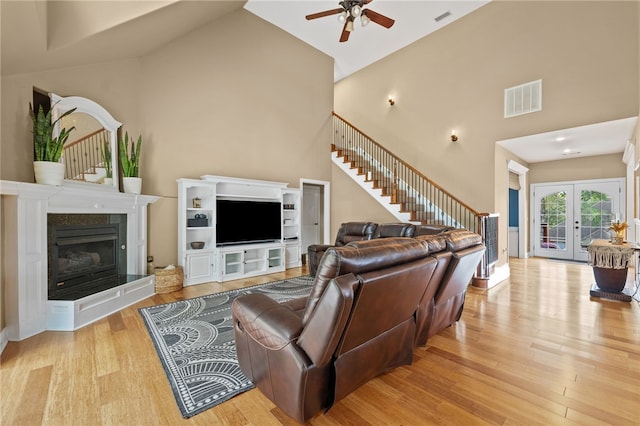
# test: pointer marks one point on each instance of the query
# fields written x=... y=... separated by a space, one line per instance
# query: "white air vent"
x=523 y=99
x=441 y=17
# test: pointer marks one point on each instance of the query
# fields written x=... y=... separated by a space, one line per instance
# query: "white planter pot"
x=108 y=181
x=132 y=185
x=48 y=172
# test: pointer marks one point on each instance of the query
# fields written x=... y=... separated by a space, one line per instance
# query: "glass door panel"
x=553 y=218
x=599 y=206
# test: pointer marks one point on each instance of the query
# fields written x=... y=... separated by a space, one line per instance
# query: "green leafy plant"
x=45 y=146
x=130 y=157
x=106 y=157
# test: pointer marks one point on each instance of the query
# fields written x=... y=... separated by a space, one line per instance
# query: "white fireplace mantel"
x=25 y=209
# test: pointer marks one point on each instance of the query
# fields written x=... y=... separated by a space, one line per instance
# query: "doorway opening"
x=518 y=235
x=315 y=213
x=567 y=216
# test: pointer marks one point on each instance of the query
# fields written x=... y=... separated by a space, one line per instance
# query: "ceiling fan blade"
x=323 y=14
x=378 y=18
x=345 y=34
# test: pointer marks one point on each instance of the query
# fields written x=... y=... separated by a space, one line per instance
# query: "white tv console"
x=229 y=262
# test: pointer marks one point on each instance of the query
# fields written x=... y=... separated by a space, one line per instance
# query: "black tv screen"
x=241 y=222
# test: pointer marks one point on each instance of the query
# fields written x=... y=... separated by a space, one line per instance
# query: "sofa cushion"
x=434 y=243
x=431 y=229
x=460 y=239
x=401 y=229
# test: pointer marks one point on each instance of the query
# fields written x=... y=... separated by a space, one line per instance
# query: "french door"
x=567 y=216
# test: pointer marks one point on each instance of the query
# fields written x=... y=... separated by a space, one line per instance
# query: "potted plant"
x=47 y=149
x=106 y=162
x=130 y=164
x=618 y=228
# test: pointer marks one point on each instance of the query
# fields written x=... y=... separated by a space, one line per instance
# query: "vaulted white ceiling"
x=413 y=20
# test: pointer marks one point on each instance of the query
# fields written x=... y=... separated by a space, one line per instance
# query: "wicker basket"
x=168 y=280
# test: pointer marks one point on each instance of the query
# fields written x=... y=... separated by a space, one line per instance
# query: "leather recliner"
x=358 y=322
x=364 y=231
x=347 y=232
x=443 y=302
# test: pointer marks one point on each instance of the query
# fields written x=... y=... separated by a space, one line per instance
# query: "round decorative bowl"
x=197 y=245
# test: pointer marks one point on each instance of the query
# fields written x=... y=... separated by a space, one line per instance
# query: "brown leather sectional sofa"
x=371 y=303
x=359 y=231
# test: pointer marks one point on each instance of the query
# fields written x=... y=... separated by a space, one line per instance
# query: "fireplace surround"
x=27 y=211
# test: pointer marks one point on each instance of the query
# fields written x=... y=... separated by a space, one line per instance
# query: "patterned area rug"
x=194 y=340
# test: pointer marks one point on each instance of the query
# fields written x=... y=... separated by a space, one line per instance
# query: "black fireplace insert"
x=83 y=259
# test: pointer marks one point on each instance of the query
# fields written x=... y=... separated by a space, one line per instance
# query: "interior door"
x=597 y=205
x=311 y=215
x=567 y=217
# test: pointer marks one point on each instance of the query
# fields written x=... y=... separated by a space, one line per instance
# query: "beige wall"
x=600 y=167
x=586 y=54
x=225 y=102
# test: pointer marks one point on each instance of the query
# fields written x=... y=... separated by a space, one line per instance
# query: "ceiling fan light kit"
x=349 y=26
x=350 y=10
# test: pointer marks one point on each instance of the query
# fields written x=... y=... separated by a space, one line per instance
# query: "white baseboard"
x=498 y=275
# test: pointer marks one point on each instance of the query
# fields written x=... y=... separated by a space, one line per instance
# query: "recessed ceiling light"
x=560 y=138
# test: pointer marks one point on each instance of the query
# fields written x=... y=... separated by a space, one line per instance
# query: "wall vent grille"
x=523 y=99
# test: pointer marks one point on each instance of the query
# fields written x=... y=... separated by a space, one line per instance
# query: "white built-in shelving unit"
x=197 y=223
x=291 y=226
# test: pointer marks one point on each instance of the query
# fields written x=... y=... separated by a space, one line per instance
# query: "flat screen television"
x=243 y=222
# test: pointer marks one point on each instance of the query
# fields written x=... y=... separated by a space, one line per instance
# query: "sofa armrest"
x=323 y=330
x=267 y=322
x=319 y=247
x=314 y=254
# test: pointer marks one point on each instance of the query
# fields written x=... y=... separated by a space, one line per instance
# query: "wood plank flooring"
x=535 y=350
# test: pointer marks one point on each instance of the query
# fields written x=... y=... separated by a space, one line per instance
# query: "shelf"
x=194 y=251
x=195 y=228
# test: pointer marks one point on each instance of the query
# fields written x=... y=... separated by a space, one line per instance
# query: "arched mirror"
x=91 y=153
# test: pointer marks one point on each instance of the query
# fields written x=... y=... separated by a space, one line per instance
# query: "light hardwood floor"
x=536 y=349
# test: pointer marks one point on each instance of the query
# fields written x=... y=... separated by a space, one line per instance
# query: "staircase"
x=83 y=158
x=405 y=192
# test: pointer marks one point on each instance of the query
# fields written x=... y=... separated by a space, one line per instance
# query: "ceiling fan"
x=348 y=11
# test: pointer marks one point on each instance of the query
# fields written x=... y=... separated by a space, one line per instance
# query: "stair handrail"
x=83 y=155
x=82 y=139
x=413 y=169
